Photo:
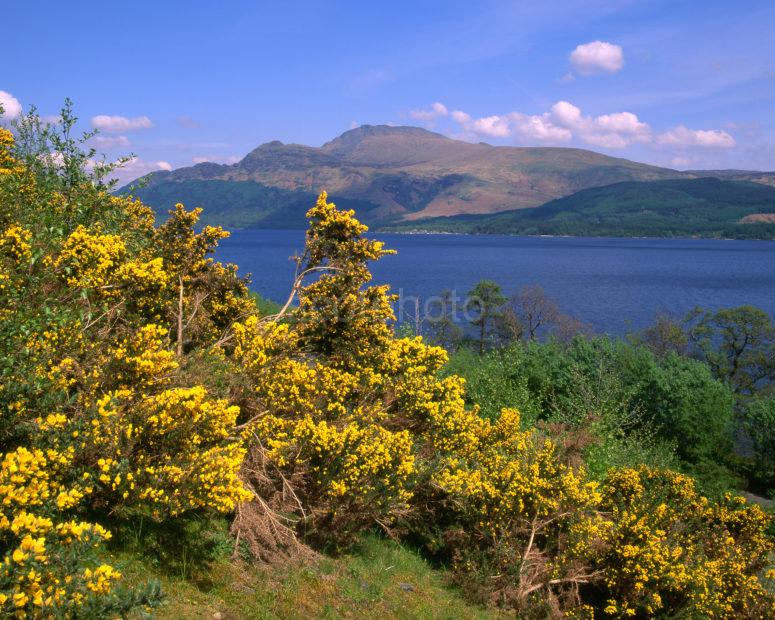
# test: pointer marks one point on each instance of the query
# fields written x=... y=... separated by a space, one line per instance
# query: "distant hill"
x=765 y=178
x=704 y=207
x=389 y=175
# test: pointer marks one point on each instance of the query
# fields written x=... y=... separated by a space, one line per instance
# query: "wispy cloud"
x=188 y=122
x=216 y=159
x=681 y=136
x=137 y=167
x=117 y=124
x=431 y=113
x=110 y=142
x=368 y=80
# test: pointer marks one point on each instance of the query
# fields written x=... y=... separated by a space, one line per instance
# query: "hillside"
x=765 y=178
x=707 y=207
x=388 y=174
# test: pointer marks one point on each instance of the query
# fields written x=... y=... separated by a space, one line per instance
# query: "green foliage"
x=98 y=418
x=639 y=409
x=486 y=301
x=495 y=381
x=128 y=356
x=760 y=424
x=738 y=344
x=665 y=335
x=235 y=204
x=56 y=157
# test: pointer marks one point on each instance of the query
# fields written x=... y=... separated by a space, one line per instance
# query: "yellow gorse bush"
x=94 y=409
x=36 y=577
x=138 y=380
x=365 y=431
x=667 y=549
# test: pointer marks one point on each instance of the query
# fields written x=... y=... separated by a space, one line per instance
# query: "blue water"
x=615 y=285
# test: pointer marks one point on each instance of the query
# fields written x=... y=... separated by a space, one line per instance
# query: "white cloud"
x=561 y=123
x=514 y=124
x=494 y=126
x=430 y=114
x=110 y=142
x=565 y=122
x=706 y=138
x=137 y=167
x=614 y=131
x=461 y=117
x=597 y=57
x=542 y=129
x=566 y=113
x=11 y=106
x=217 y=159
x=117 y=124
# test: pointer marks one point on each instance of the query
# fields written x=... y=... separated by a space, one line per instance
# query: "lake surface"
x=616 y=285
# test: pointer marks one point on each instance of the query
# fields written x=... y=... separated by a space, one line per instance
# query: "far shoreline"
x=378 y=231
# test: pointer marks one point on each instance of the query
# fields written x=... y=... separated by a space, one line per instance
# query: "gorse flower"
x=140 y=381
x=94 y=409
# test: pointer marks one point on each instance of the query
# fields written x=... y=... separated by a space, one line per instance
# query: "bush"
x=96 y=417
x=667 y=550
x=336 y=396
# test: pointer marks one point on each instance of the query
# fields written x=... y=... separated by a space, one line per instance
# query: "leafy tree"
x=760 y=424
x=486 y=301
x=738 y=344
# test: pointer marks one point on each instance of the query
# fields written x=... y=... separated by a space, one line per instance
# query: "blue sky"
x=678 y=83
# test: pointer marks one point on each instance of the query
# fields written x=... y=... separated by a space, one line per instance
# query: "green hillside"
x=706 y=207
x=238 y=204
x=389 y=175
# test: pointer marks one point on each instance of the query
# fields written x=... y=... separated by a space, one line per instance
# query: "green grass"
x=379 y=579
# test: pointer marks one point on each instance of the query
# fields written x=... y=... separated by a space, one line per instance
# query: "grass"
x=379 y=579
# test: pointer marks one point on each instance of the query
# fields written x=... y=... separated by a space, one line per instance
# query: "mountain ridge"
x=392 y=174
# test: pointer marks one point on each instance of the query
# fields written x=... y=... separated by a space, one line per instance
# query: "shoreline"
x=421 y=232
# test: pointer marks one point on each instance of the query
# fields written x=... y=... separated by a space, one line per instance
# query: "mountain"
x=765 y=178
x=704 y=207
x=389 y=175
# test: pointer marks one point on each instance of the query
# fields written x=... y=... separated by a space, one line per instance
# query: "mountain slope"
x=708 y=207
x=388 y=174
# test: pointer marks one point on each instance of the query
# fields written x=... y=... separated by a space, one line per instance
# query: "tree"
x=665 y=335
x=738 y=344
x=534 y=310
x=486 y=301
x=442 y=328
x=531 y=313
x=760 y=423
